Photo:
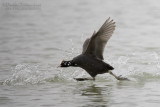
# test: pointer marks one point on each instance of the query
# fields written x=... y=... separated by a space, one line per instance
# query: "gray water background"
x=35 y=36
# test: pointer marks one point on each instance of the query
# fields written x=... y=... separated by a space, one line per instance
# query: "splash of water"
x=25 y=74
x=156 y=56
x=140 y=66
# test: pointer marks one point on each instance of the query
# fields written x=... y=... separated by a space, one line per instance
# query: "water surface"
x=33 y=41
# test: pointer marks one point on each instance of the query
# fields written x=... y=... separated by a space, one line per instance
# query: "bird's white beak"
x=58 y=66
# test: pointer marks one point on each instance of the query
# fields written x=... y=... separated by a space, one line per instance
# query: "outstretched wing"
x=96 y=44
x=85 y=44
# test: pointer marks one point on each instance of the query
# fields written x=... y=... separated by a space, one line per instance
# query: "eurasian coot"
x=91 y=58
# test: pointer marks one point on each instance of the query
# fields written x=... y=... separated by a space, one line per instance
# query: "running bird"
x=91 y=58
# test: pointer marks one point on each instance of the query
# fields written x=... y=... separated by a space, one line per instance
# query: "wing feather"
x=96 y=44
x=85 y=44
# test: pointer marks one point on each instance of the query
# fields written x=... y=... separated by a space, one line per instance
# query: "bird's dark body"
x=92 y=64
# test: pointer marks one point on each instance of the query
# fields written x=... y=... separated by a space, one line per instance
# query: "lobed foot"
x=83 y=79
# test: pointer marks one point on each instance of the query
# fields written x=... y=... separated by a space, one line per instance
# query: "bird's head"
x=65 y=64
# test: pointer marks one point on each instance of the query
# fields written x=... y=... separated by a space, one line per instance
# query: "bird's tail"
x=110 y=67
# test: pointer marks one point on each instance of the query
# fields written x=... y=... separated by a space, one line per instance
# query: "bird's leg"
x=118 y=77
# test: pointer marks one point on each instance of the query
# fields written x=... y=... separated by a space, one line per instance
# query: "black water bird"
x=91 y=58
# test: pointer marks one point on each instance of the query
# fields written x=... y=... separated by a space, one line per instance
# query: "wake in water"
x=24 y=74
x=135 y=66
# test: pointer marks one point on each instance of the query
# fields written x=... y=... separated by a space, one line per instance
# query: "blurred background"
x=35 y=35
